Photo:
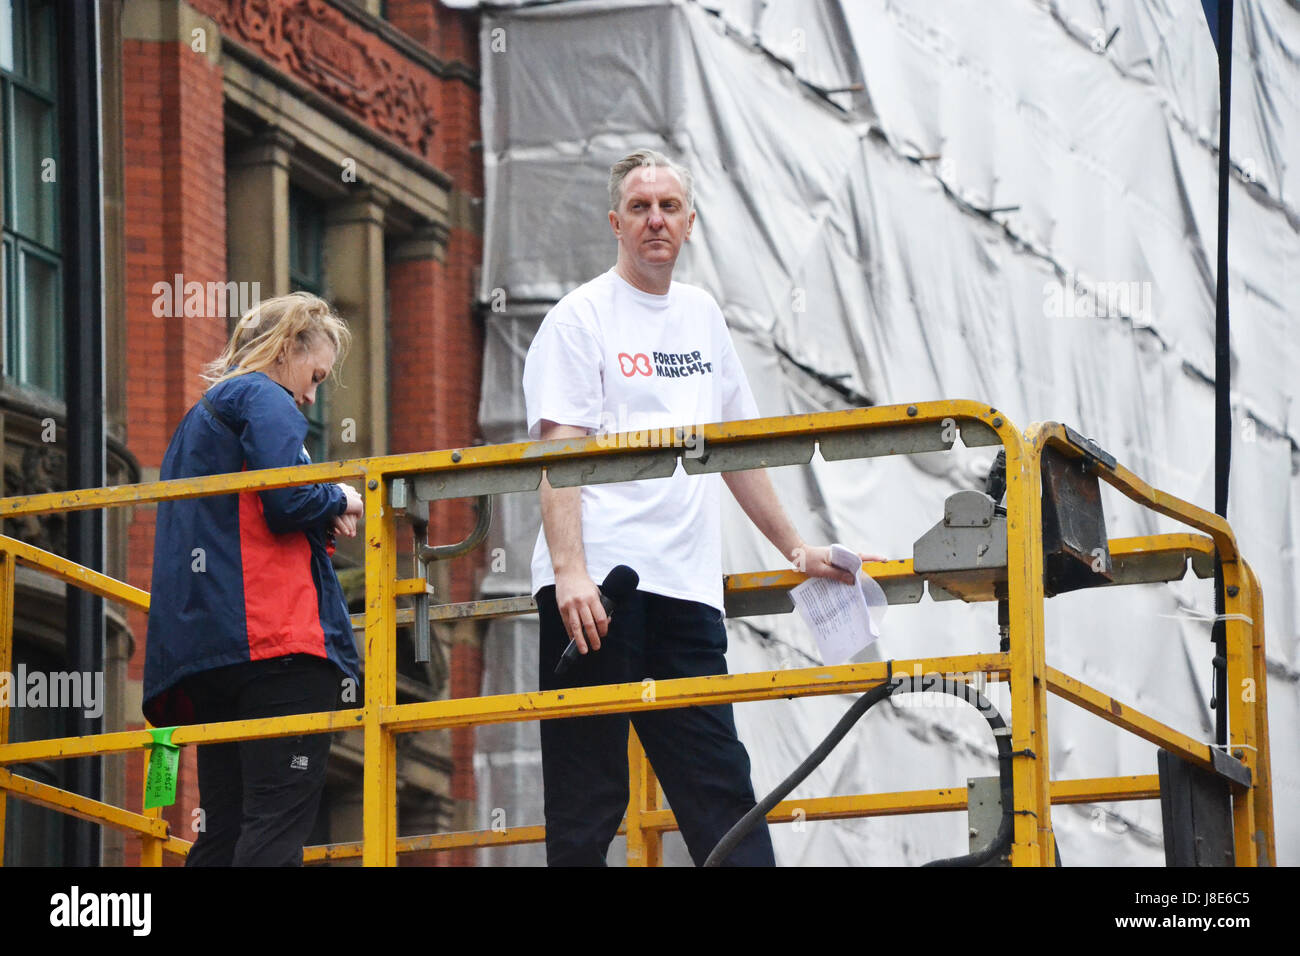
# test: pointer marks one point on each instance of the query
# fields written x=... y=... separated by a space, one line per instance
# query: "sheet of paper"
x=844 y=619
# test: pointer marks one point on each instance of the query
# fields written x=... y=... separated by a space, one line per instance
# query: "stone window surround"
x=420 y=198
x=405 y=206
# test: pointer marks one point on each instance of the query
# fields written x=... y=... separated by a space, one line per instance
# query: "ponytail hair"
x=299 y=321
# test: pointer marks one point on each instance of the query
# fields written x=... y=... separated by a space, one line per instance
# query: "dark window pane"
x=39 y=45
x=13 y=364
x=6 y=295
x=306 y=268
x=34 y=835
x=7 y=35
x=41 y=327
x=306 y=236
x=35 y=199
x=316 y=443
x=6 y=148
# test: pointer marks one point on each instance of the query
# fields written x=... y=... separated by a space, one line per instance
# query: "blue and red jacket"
x=241 y=577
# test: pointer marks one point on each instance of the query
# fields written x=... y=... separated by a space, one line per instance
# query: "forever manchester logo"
x=680 y=364
x=666 y=364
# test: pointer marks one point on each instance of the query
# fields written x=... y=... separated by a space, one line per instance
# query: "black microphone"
x=618 y=584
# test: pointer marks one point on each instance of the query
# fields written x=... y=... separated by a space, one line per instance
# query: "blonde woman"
x=247 y=618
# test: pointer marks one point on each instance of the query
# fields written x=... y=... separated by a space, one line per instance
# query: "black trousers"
x=260 y=797
x=695 y=752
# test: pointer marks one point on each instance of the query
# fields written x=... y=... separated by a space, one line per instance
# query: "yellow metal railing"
x=793 y=439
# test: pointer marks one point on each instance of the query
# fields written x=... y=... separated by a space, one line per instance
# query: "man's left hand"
x=816 y=563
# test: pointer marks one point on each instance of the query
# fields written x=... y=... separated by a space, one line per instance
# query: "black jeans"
x=260 y=797
x=695 y=752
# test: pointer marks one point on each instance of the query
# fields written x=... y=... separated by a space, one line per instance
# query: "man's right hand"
x=584 y=617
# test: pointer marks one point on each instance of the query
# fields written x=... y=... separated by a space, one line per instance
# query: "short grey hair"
x=647 y=157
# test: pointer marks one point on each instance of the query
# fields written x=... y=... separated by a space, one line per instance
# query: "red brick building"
x=250 y=149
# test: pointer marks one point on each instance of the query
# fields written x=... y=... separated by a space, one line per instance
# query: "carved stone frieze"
x=41 y=470
x=320 y=46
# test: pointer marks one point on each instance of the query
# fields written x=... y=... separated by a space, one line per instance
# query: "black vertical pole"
x=1222 y=362
x=78 y=174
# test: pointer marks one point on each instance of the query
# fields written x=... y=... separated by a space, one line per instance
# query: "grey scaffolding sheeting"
x=1006 y=201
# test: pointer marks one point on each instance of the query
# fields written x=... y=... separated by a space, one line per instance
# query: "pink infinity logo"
x=630 y=365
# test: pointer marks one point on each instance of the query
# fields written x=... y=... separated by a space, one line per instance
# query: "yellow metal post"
x=151 y=847
x=1241 y=706
x=644 y=846
x=1262 y=789
x=379 y=787
x=651 y=800
x=6 y=664
x=1033 y=844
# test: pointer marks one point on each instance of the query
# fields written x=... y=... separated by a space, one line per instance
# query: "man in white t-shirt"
x=631 y=350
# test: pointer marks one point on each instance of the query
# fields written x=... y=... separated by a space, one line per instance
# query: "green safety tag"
x=164 y=760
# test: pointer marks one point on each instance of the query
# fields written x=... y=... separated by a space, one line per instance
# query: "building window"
x=31 y=288
x=34 y=836
x=307 y=273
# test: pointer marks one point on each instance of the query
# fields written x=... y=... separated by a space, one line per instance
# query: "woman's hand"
x=346 y=523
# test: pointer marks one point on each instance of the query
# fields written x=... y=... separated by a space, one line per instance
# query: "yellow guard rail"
x=857 y=433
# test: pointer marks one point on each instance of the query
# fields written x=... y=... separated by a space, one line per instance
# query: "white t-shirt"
x=611 y=358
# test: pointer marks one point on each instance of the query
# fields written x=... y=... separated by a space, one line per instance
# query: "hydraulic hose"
x=894 y=685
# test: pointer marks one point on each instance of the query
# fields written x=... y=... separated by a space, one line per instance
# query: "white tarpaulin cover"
x=908 y=200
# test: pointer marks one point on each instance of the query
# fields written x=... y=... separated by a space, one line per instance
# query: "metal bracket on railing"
x=404 y=498
x=427 y=554
x=423 y=636
x=1091 y=450
x=965 y=554
x=445 y=552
